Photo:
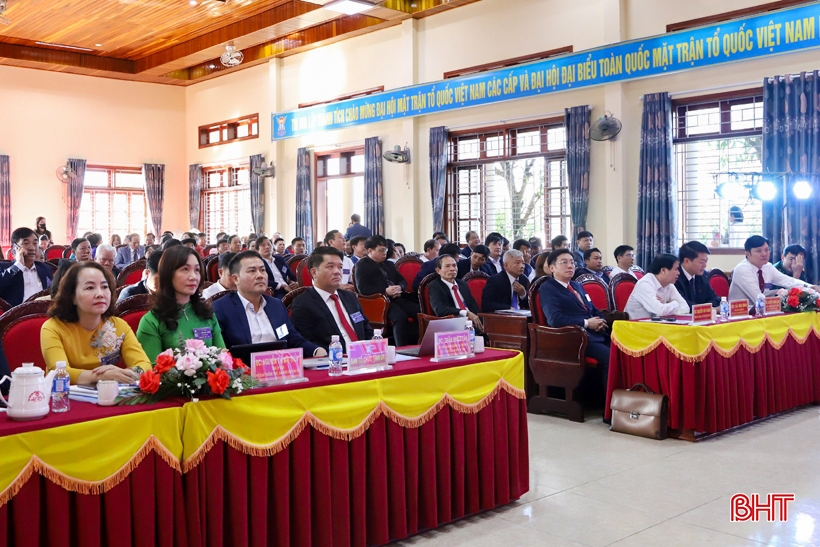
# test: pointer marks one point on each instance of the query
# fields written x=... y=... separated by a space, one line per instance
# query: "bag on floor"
x=637 y=413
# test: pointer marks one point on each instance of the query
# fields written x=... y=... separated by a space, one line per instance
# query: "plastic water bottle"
x=59 y=391
x=724 y=309
x=468 y=326
x=377 y=334
x=760 y=305
x=334 y=356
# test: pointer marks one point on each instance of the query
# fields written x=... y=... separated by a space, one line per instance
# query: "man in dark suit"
x=150 y=276
x=472 y=242
x=280 y=276
x=450 y=249
x=249 y=316
x=451 y=296
x=476 y=263
x=564 y=302
x=356 y=228
x=594 y=264
x=26 y=276
x=376 y=275
x=130 y=253
x=508 y=289
x=325 y=309
x=692 y=284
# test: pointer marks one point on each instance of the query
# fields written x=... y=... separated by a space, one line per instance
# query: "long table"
x=335 y=461
x=722 y=375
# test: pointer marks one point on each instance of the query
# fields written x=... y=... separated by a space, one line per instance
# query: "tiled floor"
x=591 y=487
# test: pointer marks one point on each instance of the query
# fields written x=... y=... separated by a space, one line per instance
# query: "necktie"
x=514 y=300
x=458 y=298
x=577 y=296
x=692 y=286
x=133 y=256
x=760 y=282
x=343 y=320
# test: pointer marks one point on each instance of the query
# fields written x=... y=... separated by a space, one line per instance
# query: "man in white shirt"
x=755 y=275
x=431 y=247
x=357 y=247
x=495 y=243
x=280 y=276
x=335 y=239
x=25 y=277
x=655 y=293
x=624 y=259
x=226 y=282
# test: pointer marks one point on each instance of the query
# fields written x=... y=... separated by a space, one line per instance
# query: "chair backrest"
x=476 y=282
x=38 y=294
x=596 y=289
x=619 y=290
x=556 y=346
x=132 y=309
x=4 y=306
x=55 y=251
x=51 y=265
x=131 y=274
x=217 y=296
x=212 y=269
x=20 y=333
x=408 y=267
x=375 y=308
x=719 y=282
x=207 y=249
x=607 y=270
x=288 y=299
x=535 y=302
x=424 y=293
x=638 y=271
x=303 y=276
x=579 y=272
x=67 y=251
x=293 y=261
x=10 y=254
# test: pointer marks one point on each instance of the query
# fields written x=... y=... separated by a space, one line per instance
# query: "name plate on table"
x=366 y=356
x=278 y=367
x=773 y=305
x=702 y=313
x=738 y=308
x=451 y=345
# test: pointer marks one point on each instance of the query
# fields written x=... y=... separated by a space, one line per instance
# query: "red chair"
x=55 y=251
x=20 y=333
x=476 y=281
x=219 y=295
x=4 y=306
x=212 y=269
x=288 y=299
x=375 y=308
x=67 y=252
x=303 y=276
x=719 y=282
x=596 y=289
x=408 y=267
x=38 y=294
x=638 y=271
x=294 y=261
x=424 y=294
x=131 y=274
x=132 y=309
x=619 y=290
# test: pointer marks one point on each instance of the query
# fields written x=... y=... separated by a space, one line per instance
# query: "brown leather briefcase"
x=637 y=413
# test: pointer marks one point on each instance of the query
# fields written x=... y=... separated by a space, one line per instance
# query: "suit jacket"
x=284 y=269
x=497 y=293
x=441 y=298
x=578 y=255
x=12 y=288
x=133 y=290
x=562 y=308
x=314 y=321
x=357 y=230
x=371 y=276
x=124 y=256
x=464 y=267
x=235 y=329
x=466 y=251
x=426 y=269
x=703 y=293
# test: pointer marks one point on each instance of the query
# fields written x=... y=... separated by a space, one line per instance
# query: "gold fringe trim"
x=308 y=419
x=714 y=347
x=36 y=465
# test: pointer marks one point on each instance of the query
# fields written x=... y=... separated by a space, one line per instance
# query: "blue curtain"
x=5 y=202
x=257 y=194
x=373 y=186
x=74 y=196
x=657 y=193
x=194 y=195
x=576 y=121
x=304 y=210
x=791 y=144
x=154 y=174
x=438 y=174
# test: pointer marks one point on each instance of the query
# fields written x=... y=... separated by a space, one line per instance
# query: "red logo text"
x=773 y=508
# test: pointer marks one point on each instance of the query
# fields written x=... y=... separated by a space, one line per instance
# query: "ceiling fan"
x=3 y=6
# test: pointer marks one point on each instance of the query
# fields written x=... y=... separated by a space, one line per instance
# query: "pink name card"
x=367 y=354
x=452 y=345
x=278 y=367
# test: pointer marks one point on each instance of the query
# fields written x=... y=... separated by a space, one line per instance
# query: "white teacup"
x=391 y=355
x=479 y=344
x=107 y=391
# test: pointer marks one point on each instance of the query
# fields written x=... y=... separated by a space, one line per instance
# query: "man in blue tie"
x=508 y=289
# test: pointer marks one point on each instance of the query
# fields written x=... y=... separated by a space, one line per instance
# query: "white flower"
x=188 y=364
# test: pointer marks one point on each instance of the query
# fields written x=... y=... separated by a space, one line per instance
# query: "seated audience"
x=278 y=245
x=508 y=289
x=583 y=243
x=560 y=242
x=222 y=246
x=655 y=293
x=235 y=244
x=335 y=239
x=62 y=267
x=431 y=248
x=792 y=263
x=106 y=255
x=400 y=250
x=441 y=236
x=326 y=309
x=150 y=277
x=171 y=242
x=692 y=284
x=755 y=275
x=202 y=242
x=594 y=263
x=81 y=249
x=249 y=316
x=221 y=235
x=26 y=276
x=429 y=267
x=299 y=246
x=149 y=239
x=357 y=248
x=495 y=243
x=83 y=332
x=624 y=259
x=535 y=249
x=95 y=240
x=524 y=246
x=40 y=227
x=44 y=243
x=131 y=253
x=375 y=275
x=179 y=312
x=451 y=296
x=356 y=228
x=473 y=241
x=189 y=242
x=477 y=262
x=541 y=265
x=225 y=281
x=115 y=241
x=280 y=277
x=565 y=302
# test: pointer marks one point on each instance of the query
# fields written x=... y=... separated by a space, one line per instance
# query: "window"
x=114 y=202
x=511 y=180
x=716 y=140
x=226 y=200
x=238 y=129
x=339 y=188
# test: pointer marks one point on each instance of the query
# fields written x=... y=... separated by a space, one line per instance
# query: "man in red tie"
x=325 y=309
x=451 y=296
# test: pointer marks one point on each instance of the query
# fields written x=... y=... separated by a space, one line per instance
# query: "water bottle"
x=334 y=356
x=468 y=326
x=377 y=334
x=760 y=305
x=724 y=309
x=59 y=391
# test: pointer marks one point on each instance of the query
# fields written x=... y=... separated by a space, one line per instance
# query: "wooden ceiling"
x=175 y=42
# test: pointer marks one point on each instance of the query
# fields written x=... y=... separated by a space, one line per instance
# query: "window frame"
x=320 y=182
x=204 y=131
x=228 y=184
x=110 y=190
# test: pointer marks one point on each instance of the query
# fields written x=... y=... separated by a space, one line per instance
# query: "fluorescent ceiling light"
x=63 y=46
x=349 y=7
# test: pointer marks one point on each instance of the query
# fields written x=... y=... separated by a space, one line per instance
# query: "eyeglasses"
x=564 y=262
